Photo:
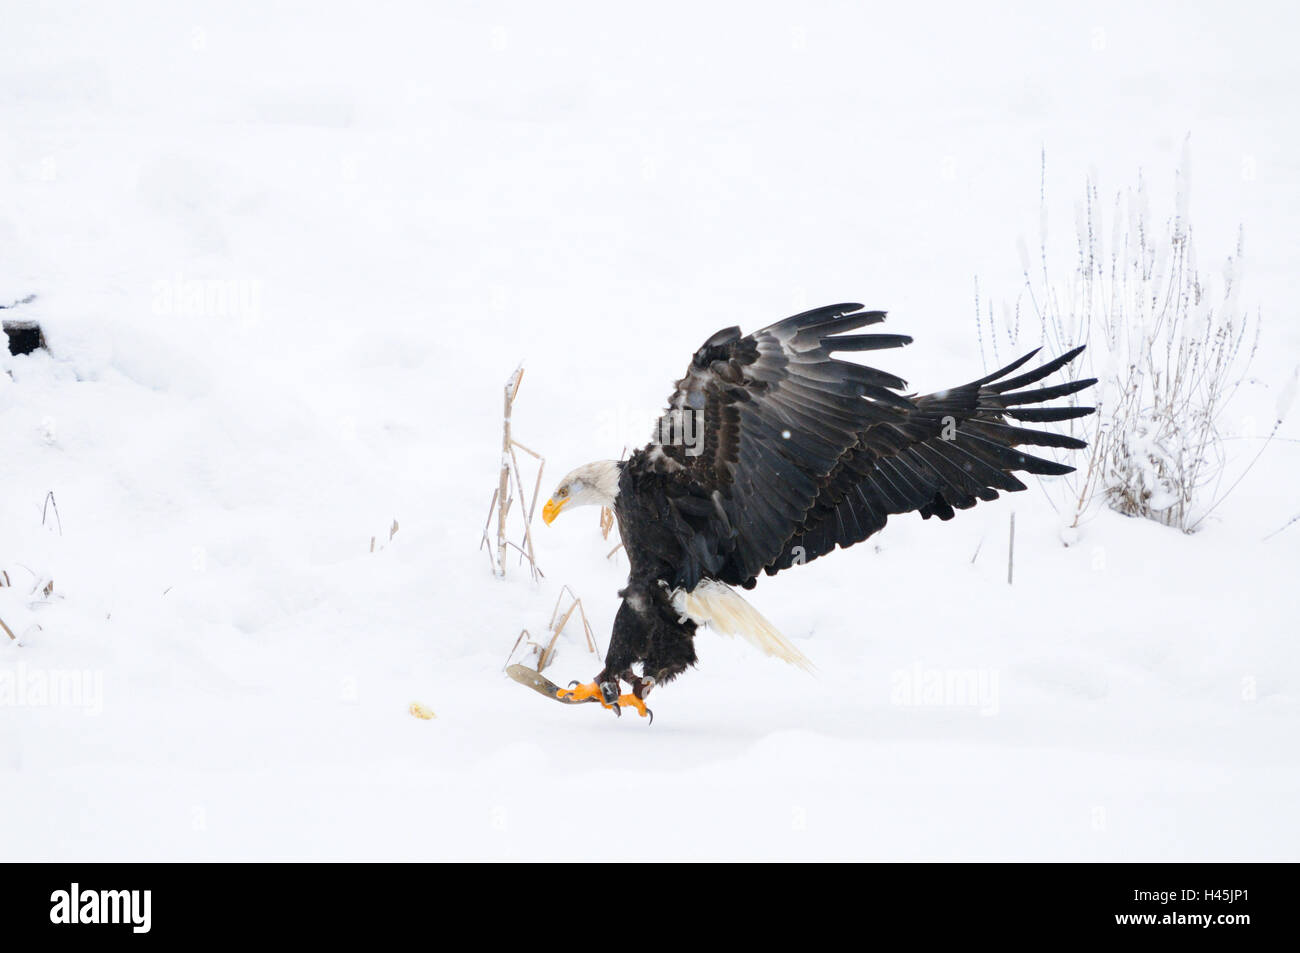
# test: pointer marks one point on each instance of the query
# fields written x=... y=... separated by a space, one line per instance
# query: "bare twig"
x=537 y=484
x=1293 y=519
x=50 y=501
x=591 y=641
x=1250 y=466
x=503 y=487
x=556 y=629
x=488 y=522
x=561 y=614
x=558 y=622
x=528 y=530
x=514 y=648
x=1011 y=549
x=508 y=479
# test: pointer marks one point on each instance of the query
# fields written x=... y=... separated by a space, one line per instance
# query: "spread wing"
x=783 y=445
x=763 y=419
x=948 y=451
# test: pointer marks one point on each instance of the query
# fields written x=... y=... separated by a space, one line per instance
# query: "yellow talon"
x=582 y=692
x=633 y=702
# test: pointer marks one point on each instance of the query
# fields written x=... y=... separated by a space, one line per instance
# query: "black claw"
x=574 y=682
x=617 y=710
x=651 y=716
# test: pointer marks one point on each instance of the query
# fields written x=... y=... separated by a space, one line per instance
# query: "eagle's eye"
x=562 y=492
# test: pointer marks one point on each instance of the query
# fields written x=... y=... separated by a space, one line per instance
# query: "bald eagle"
x=771 y=453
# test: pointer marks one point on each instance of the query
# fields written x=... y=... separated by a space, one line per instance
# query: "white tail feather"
x=722 y=608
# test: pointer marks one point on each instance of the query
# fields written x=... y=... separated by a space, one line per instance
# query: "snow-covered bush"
x=1169 y=345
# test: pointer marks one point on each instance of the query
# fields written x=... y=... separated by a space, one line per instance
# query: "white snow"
x=286 y=259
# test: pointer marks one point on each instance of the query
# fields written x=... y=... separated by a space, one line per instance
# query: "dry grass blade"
x=561 y=615
x=508 y=479
x=51 y=502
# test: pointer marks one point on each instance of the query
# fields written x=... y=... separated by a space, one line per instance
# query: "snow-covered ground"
x=285 y=260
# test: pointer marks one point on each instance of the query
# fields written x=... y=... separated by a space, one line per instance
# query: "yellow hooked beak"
x=552 y=510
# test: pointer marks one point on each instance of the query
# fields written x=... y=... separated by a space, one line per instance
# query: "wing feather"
x=802 y=452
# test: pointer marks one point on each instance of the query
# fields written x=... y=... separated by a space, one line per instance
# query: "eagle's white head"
x=593 y=484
